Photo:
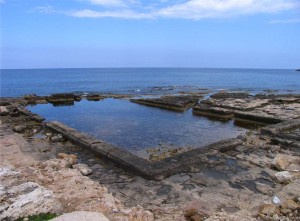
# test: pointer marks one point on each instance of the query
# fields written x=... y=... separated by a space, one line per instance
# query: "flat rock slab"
x=81 y=216
x=245 y=104
x=206 y=110
x=176 y=103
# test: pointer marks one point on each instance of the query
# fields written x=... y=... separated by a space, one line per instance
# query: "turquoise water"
x=136 y=127
x=144 y=80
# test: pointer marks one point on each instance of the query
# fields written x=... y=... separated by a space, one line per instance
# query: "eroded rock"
x=177 y=103
x=83 y=169
x=71 y=157
x=26 y=199
x=19 y=128
x=3 y=111
x=283 y=177
x=280 y=162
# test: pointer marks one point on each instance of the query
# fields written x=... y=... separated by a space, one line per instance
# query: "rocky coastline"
x=51 y=168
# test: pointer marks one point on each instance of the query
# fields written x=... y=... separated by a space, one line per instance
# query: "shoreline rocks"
x=176 y=103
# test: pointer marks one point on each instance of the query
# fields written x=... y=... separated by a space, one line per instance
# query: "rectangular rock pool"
x=135 y=127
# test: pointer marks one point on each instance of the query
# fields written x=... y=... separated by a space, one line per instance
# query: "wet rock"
x=3 y=111
x=19 y=128
x=71 y=157
x=204 y=180
x=188 y=186
x=177 y=178
x=96 y=167
x=81 y=215
x=94 y=97
x=226 y=94
x=283 y=177
x=153 y=150
x=83 y=169
x=27 y=199
x=164 y=190
x=57 y=138
x=61 y=98
x=280 y=162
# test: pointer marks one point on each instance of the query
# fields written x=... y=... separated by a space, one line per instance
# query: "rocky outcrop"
x=95 y=97
x=176 y=103
x=227 y=94
x=63 y=98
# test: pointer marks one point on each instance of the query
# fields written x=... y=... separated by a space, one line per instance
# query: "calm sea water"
x=144 y=80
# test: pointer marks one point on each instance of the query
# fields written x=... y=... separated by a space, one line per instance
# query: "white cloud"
x=185 y=9
x=108 y=3
x=285 y=21
x=45 y=9
x=198 y=9
x=126 y=14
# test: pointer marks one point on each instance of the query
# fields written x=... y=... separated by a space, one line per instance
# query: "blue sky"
x=145 y=33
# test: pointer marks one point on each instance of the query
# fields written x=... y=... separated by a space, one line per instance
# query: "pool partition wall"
x=128 y=161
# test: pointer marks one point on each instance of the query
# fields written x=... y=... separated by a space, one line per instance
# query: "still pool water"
x=136 y=127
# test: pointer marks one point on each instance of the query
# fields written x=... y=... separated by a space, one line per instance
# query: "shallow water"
x=136 y=127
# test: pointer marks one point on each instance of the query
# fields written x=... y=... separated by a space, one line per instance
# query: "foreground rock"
x=3 y=111
x=25 y=199
x=34 y=187
x=288 y=210
x=284 y=177
x=83 y=169
x=177 y=103
x=81 y=216
x=280 y=162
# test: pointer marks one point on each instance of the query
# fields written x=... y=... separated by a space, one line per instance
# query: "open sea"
x=144 y=80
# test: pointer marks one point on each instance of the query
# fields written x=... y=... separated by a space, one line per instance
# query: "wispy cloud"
x=199 y=9
x=285 y=21
x=45 y=9
x=125 y=14
x=108 y=3
x=189 y=9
